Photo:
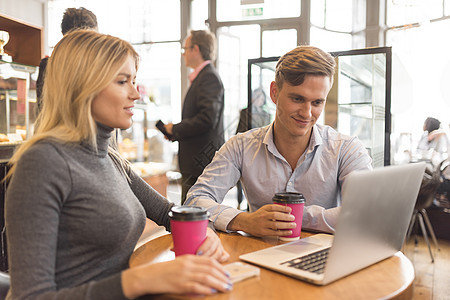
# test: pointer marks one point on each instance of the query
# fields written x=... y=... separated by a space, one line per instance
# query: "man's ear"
x=273 y=92
x=196 y=48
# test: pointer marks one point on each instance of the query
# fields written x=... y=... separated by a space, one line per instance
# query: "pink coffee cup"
x=188 y=225
x=296 y=202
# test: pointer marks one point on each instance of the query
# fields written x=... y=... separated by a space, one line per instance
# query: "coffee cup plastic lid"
x=188 y=213
x=288 y=197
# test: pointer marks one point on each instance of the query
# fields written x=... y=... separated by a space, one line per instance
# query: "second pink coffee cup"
x=188 y=225
x=296 y=202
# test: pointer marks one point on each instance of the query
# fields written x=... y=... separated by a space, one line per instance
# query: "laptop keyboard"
x=313 y=262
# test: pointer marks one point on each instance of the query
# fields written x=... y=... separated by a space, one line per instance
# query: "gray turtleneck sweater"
x=73 y=220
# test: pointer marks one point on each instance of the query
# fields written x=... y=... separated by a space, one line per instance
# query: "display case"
x=17 y=99
x=17 y=116
x=359 y=101
x=17 y=105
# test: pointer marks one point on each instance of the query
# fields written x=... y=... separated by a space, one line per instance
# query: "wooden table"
x=389 y=279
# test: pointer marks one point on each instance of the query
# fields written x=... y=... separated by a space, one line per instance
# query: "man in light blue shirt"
x=293 y=154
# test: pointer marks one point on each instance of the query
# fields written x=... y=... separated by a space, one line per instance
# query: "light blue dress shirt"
x=253 y=158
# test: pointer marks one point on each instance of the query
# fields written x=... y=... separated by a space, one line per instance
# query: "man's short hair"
x=301 y=61
x=78 y=18
x=206 y=42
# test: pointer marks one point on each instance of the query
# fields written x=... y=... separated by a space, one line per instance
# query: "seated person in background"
x=74 y=208
x=293 y=154
x=258 y=117
x=433 y=138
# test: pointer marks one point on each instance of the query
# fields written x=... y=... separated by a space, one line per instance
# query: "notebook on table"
x=376 y=210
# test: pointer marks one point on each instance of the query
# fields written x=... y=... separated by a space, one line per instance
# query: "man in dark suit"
x=200 y=133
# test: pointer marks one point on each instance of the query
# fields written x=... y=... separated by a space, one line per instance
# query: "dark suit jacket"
x=200 y=133
x=40 y=82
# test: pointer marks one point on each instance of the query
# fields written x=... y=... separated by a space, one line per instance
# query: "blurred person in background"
x=258 y=116
x=200 y=133
x=434 y=141
x=73 y=18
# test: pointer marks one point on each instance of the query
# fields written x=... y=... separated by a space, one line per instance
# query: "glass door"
x=359 y=103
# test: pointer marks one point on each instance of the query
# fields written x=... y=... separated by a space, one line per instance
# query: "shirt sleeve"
x=217 y=179
x=317 y=218
x=34 y=201
x=441 y=143
x=353 y=156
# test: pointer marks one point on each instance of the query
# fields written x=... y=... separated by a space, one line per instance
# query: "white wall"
x=33 y=12
x=29 y=11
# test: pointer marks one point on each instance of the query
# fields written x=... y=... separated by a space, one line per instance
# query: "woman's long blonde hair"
x=82 y=64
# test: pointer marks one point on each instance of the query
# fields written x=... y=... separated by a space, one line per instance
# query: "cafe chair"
x=427 y=191
x=4 y=284
x=443 y=192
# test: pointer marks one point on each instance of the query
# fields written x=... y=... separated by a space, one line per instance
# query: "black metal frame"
x=3 y=247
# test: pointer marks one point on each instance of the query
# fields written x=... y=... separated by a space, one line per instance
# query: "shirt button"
x=289 y=183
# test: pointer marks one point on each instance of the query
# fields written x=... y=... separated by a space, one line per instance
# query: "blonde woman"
x=74 y=209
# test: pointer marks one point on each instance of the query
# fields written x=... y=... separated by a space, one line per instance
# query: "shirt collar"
x=315 y=140
x=197 y=70
x=268 y=140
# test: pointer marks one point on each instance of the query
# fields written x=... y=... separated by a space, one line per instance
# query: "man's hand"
x=269 y=220
x=169 y=130
x=169 y=127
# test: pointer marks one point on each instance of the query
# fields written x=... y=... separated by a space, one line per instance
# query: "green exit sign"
x=252 y=12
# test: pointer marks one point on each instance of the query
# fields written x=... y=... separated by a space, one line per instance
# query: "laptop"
x=376 y=210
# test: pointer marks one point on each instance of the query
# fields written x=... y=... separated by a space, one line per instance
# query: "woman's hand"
x=212 y=247
x=186 y=274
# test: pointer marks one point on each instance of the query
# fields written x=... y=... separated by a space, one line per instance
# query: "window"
x=159 y=75
x=330 y=40
x=237 y=10
x=401 y=12
x=446 y=7
x=278 y=42
x=332 y=15
x=139 y=21
x=236 y=45
x=199 y=14
x=420 y=76
x=332 y=23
